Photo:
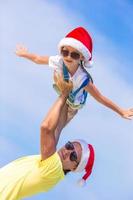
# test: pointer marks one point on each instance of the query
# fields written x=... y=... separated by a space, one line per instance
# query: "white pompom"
x=81 y=182
x=88 y=64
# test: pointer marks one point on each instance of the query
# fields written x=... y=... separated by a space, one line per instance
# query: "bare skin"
x=47 y=132
x=67 y=113
x=65 y=155
x=72 y=66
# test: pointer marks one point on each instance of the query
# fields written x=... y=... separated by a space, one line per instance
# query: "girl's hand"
x=127 y=114
x=21 y=50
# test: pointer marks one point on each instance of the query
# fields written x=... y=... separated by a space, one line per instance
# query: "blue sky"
x=27 y=94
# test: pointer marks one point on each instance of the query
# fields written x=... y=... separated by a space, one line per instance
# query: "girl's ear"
x=82 y=58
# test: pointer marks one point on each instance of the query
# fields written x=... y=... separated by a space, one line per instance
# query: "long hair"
x=82 y=65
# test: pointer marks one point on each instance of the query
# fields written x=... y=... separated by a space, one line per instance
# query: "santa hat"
x=81 y=40
x=86 y=162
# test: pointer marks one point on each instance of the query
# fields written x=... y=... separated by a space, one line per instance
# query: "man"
x=39 y=173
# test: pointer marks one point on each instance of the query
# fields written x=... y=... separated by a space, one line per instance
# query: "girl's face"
x=71 y=56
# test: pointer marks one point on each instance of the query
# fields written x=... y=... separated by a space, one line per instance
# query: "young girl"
x=75 y=54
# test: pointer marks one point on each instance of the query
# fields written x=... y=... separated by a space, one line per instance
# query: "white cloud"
x=27 y=88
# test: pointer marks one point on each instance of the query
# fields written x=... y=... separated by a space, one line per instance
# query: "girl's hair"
x=82 y=65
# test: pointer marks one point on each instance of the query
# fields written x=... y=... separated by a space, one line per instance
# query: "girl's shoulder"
x=55 y=61
x=87 y=73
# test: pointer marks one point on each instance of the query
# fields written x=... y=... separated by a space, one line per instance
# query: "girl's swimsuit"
x=80 y=79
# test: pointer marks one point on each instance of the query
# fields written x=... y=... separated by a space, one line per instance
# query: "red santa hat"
x=81 y=40
x=86 y=162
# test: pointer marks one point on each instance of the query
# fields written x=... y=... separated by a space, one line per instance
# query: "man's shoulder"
x=54 y=158
x=52 y=164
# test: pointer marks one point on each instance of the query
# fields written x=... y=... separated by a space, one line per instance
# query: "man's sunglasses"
x=73 y=155
x=74 y=55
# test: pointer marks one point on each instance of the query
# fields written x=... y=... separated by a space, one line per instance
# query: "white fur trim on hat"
x=84 y=157
x=77 y=45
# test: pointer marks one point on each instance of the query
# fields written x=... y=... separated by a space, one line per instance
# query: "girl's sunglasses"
x=74 y=55
x=73 y=155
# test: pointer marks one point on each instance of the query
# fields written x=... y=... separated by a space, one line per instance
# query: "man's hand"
x=21 y=50
x=64 y=87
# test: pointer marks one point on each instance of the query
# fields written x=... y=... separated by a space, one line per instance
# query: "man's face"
x=70 y=155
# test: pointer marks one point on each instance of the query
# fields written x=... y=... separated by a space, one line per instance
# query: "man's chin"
x=60 y=154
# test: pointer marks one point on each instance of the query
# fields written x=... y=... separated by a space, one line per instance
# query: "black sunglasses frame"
x=73 y=155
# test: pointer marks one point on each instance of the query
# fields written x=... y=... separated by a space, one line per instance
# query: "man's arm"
x=49 y=124
x=22 y=51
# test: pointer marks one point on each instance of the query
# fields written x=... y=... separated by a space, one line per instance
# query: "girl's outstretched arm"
x=125 y=113
x=22 y=51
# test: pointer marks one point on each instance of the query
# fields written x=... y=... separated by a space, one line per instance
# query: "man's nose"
x=67 y=153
